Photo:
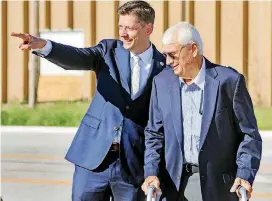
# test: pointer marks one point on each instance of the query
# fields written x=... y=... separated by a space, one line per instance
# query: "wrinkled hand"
x=241 y=182
x=149 y=181
x=29 y=42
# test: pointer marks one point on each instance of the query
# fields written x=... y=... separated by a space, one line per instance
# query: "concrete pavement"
x=33 y=167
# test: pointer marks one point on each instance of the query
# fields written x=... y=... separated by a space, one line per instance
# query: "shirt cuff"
x=45 y=50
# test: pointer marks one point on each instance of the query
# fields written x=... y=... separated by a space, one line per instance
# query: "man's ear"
x=195 y=49
x=149 y=28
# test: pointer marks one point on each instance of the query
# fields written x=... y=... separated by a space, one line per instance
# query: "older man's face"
x=178 y=57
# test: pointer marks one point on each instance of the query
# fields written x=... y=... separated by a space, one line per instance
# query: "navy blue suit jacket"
x=230 y=144
x=112 y=104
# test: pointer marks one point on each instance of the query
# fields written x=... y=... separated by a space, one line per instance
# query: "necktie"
x=135 y=77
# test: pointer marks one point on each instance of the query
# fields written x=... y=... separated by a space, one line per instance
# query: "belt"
x=190 y=168
x=115 y=147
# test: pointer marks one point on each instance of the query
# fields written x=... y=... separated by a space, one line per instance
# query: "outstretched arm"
x=65 y=56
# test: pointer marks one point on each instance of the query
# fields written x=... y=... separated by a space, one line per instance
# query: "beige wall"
x=2 y=47
x=84 y=18
x=235 y=33
x=161 y=22
x=59 y=88
x=16 y=59
x=59 y=15
x=206 y=25
x=260 y=52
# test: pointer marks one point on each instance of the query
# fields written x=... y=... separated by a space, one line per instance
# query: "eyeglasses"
x=172 y=55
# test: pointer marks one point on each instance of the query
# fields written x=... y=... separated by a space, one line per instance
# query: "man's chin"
x=126 y=46
x=176 y=71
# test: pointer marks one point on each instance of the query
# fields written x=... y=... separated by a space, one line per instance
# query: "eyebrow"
x=170 y=53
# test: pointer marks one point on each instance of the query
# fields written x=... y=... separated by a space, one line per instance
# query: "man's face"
x=179 y=57
x=132 y=32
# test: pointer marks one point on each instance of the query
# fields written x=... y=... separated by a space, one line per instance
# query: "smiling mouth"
x=175 y=67
x=127 y=41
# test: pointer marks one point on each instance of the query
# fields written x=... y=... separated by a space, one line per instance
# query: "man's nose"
x=123 y=33
x=169 y=61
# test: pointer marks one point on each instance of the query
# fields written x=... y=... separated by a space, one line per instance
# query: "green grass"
x=45 y=114
x=71 y=113
x=264 y=118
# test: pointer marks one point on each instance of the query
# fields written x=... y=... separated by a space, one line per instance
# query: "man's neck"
x=142 y=48
x=188 y=81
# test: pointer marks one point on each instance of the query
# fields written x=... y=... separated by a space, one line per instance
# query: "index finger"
x=235 y=186
x=144 y=186
x=20 y=35
x=247 y=186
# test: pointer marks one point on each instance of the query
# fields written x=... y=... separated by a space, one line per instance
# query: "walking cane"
x=243 y=193
x=150 y=192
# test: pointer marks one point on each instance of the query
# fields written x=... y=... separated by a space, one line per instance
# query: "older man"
x=202 y=140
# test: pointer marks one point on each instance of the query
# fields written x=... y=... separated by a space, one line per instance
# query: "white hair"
x=183 y=33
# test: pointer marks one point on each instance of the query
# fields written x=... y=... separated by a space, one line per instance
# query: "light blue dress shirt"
x=192 y=97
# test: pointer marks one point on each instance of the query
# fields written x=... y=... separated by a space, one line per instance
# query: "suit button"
x=116 y=128
x=178 y=177
x=201 y=149
x=127 y=107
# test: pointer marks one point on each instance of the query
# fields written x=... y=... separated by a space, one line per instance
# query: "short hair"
x=183 y=33
x=141 y=9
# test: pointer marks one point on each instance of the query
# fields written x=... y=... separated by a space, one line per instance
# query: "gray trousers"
x=189 y=189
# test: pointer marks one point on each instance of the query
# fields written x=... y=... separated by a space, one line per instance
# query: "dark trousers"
x=103 y=183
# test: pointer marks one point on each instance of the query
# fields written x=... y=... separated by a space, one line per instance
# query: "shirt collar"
x=146 y=56
x=199 y=80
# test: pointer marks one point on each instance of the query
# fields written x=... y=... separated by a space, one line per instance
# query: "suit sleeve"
x=154 y=136
x=72 y=58
x=250 y=149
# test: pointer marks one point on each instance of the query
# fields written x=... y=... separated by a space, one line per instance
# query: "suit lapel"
x=158 y=63
x=176 y=109
x=210 y=94
x=122 y=58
